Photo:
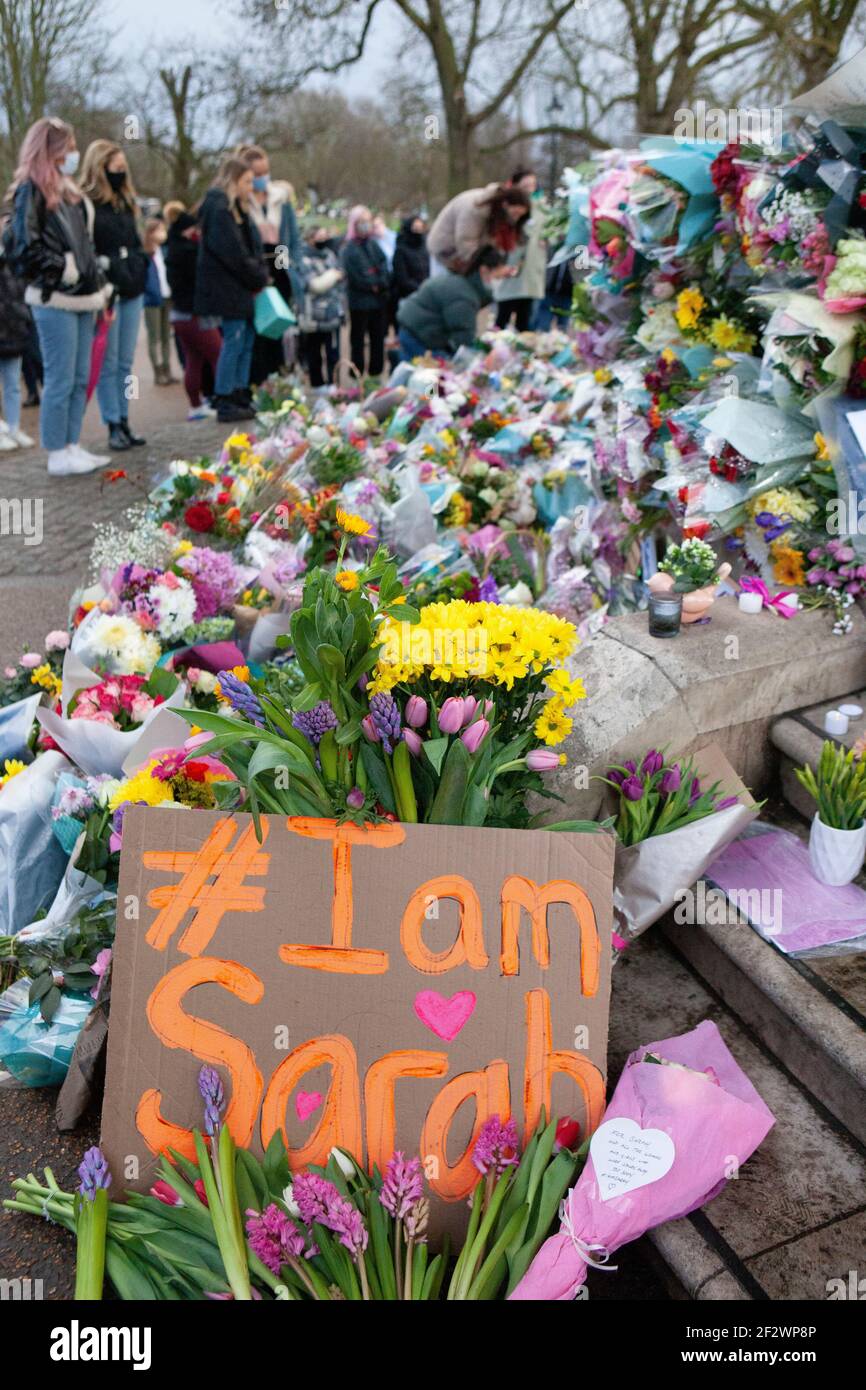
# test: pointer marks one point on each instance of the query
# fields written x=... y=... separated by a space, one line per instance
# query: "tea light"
x=851 y=711
x=749 y=602
x=835 y=722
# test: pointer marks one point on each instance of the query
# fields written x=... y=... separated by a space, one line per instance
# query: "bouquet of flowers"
x=35 y=671
x=673 y=818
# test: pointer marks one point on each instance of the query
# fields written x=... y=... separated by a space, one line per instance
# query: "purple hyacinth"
x=312 y=1195
x=385 y=714
x=488 y=590
x=273 y=1237
x=314 y=723
x=241 y=697
x=403 y=1185
x=347 y=1223
x=214 y=1097
x=93 y=1172
x=496 y=1147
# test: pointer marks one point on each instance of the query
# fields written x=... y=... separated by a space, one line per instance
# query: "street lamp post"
x=554 y=112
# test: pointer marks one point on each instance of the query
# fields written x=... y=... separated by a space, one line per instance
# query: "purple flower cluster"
x=833 y=565
x=402 y=1186
x=241 y=697
x=496 y=1147
x=318 y=1200
x=93 y=1172
x=211 y=1087
x=314 y=723
x=274 y=1237
x=385 y=714
x=214 y=578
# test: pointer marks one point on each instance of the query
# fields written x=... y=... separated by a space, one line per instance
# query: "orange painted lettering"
x=490 y=1088
x=207 y=1041
x=517 y=893
x=468 y=949
x=542 y=1064
x=208 y=901
x=380 y=1101
x=340 y=1123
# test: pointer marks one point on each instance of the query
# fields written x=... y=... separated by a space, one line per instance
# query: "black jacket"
x=181 y=262
x=115 y=236
x=367 y=277
x=39 y=242
x=411 y=261
x=14 y=314
x=443 y=313
x=231 y=267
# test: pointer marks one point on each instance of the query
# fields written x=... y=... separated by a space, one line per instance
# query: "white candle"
x=835 y=722
x=851 y=711
x=749 y=602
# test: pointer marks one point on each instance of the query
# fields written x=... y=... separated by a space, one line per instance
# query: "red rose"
x=199 y=517
x=222 y=498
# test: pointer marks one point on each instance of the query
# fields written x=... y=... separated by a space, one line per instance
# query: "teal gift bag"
x=272 y=314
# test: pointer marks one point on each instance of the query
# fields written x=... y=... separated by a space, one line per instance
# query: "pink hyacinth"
x=496 y=1147
x=403 y=1185
x=312 y=1195
x=346 y=1222
x=273 y=1237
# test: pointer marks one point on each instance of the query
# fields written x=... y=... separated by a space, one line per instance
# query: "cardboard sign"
x=381 y=988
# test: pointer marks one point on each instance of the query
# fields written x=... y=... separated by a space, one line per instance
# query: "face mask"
x=362 y=228
x=260 y=182
x=69 y=163
x=116 y=180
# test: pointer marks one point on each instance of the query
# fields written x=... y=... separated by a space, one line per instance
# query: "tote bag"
x=272 y=314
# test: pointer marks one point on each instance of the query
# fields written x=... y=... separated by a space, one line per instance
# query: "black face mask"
x=116 y=180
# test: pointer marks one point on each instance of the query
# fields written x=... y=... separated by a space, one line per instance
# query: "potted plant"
x=691 y=569
x=837 y=841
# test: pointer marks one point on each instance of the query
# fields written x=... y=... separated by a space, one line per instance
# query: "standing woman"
x=199 y=338
x=106 y=181
x=368 y=282
x=272 y=208
x=231 y=270
x=51 y=247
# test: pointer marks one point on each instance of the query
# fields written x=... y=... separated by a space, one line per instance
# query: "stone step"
x=811 y=1013
x=799 y=737
x=795 y=1218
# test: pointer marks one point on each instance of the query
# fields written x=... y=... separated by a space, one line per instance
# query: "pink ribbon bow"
x=778 y=601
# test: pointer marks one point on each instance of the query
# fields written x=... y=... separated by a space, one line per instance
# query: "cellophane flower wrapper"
x=32 y=861
x=713 y=1120
x=649 y=876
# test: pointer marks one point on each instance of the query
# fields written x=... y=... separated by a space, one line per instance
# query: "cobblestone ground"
x=37 y=580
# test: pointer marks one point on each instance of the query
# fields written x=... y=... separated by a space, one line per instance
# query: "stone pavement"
x=37 y=580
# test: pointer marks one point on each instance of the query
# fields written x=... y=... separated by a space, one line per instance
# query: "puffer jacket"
x=53 y=252
x=324 y=301
x=461 y=227
x=443 y=313
x=231 y=267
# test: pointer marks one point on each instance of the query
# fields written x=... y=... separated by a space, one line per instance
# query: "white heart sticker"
x=625 y=1156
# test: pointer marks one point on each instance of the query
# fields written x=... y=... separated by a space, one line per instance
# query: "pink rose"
x=30 y=660
x=57 y=641
x=141 y=708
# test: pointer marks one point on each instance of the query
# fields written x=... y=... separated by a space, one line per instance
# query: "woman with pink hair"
x=51 y=246
x=368 y=281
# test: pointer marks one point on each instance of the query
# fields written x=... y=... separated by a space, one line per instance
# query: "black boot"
x=135 y=439
x=243 y=399
x=228 y=413
x=117 y=440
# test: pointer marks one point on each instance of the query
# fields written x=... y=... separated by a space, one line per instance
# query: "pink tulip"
x=413 y=741
x=542 y=760
x=472 y=736
x=415 y=714
x=470 y=705
x=370 y=730
x=451 y=715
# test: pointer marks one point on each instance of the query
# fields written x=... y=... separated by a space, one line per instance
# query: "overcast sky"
x=143 y=23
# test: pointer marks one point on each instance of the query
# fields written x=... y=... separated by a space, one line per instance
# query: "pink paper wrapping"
x=714 y=1121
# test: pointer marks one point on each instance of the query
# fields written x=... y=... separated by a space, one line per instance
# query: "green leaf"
x=447 y=808
x=378 y=776
x=434 y=751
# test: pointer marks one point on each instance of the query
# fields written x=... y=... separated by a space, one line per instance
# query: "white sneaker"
x=63 y=462
x=7 y=439
x=201 y=412
x=22 y=439
x=95 y=460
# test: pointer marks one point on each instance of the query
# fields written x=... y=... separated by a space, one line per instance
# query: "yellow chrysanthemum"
x=725 y=334
x=569 y=688
x=142 y=787
x=553 y=724
x=11 y=768
x=347 y=580
x=784 y=501
x=353 y=524
x=789 y=566
x=690 y=303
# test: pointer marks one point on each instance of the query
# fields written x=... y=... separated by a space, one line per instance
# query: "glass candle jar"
x=665 y=614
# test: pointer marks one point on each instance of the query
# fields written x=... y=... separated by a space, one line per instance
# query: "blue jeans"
x=10 y=380
x=113 y=387
x=233 y=368
x=65 y=339
x=410 y=346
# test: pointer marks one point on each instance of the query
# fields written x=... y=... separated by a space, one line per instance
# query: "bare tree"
x=45 y=45
x=480 y=52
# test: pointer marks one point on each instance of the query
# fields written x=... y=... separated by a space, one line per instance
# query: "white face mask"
x=69 y=163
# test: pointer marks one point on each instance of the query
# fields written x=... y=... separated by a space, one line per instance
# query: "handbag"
x=272 y=315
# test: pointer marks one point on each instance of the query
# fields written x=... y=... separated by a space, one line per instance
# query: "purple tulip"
x=472 y=736
x=413 y=741
x=415 y=713
x=653 y=762
x=614 y=775
x=672 y=780
x=633 y=788
x=451 y=715
x=694 y=794
x=728 y=801
x=470 y=705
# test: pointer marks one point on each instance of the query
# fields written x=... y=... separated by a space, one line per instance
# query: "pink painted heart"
x=306 y=1102
x=444 y=1017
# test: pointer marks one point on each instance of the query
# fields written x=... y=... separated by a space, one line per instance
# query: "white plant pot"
x=836 y=856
